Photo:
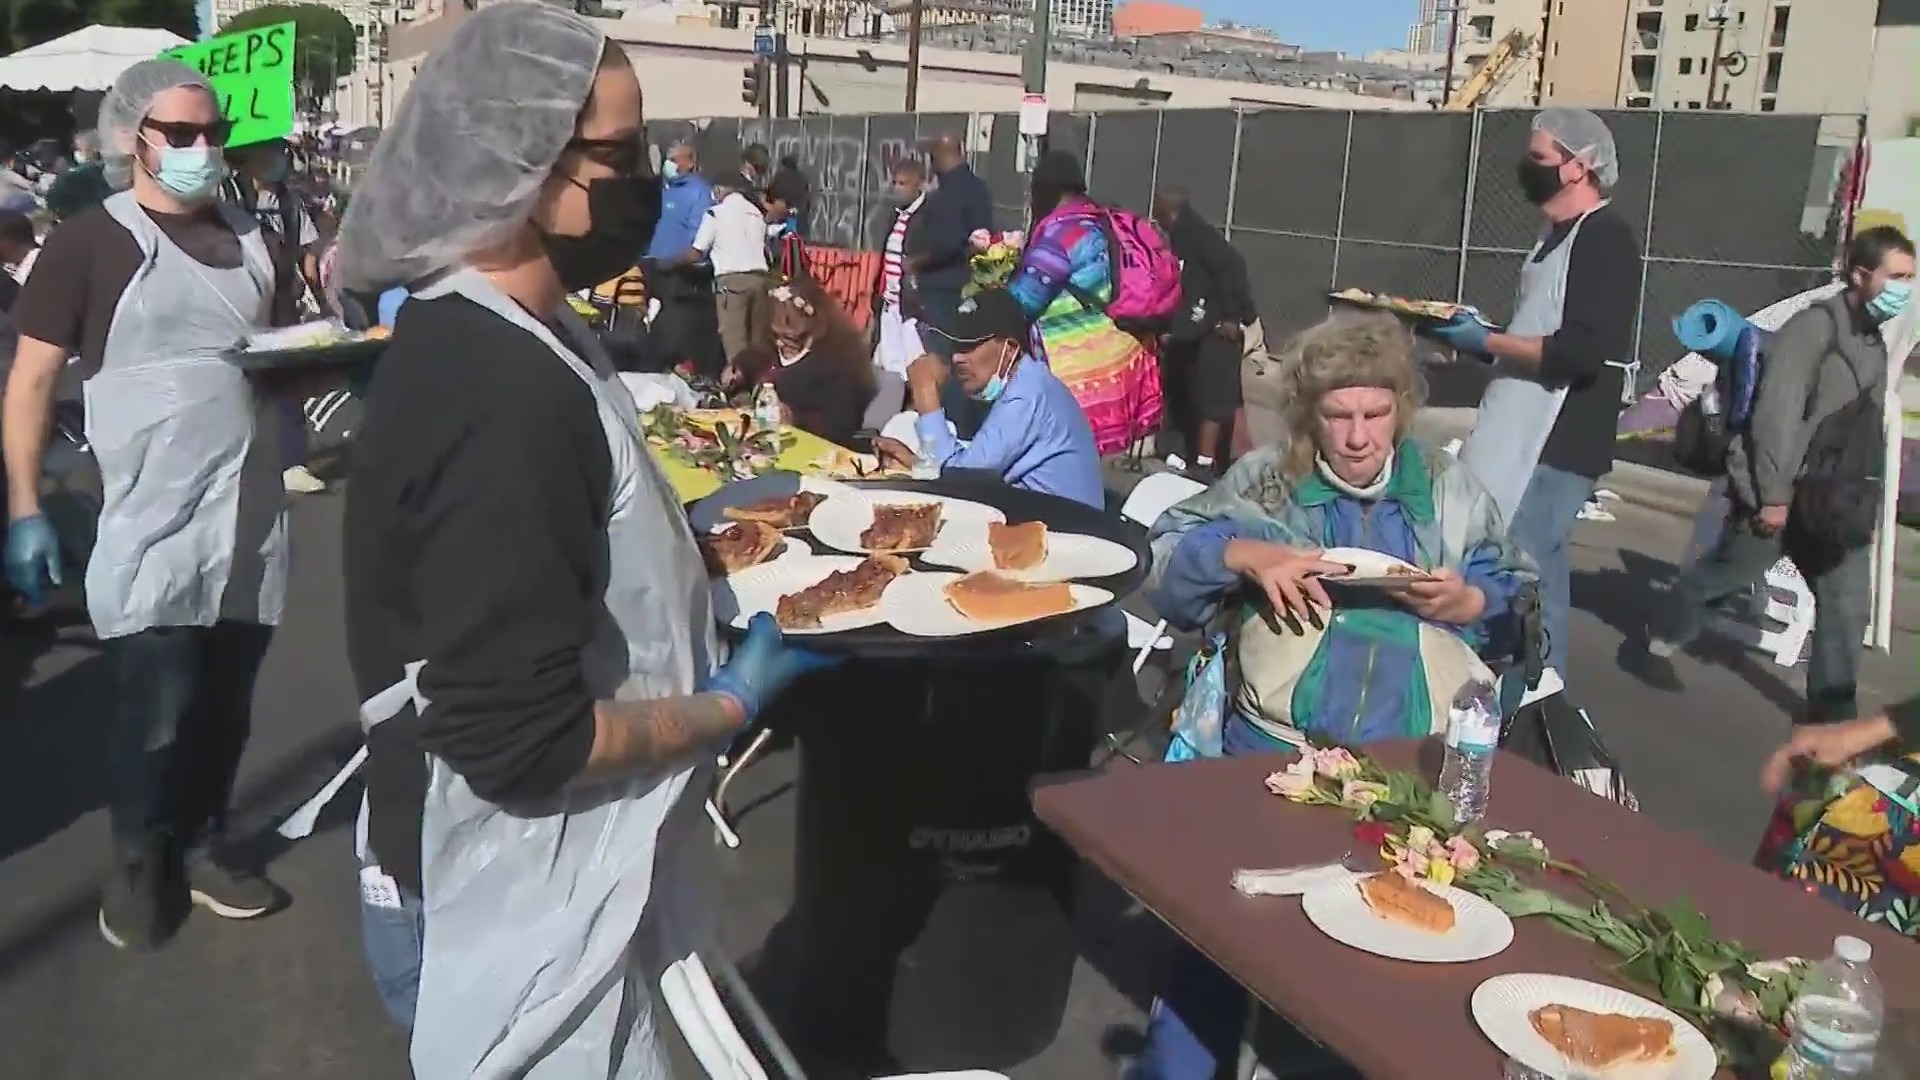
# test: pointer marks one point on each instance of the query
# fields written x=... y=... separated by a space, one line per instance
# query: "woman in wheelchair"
x=1311 y=656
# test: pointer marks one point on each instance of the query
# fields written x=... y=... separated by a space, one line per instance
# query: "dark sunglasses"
x=628 y=156
x=181 y=134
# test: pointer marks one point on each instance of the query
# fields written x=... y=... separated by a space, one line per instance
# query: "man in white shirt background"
x=733 y=239
x=899 y=345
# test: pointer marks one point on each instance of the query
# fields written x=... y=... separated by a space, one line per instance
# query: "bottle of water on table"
x=1836 y=1019
x=1473 y=733
x=766 y=407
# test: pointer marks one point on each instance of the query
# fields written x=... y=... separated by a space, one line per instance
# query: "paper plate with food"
x=1029 y=551
x=955 y=605
x=1570 y=1028
x=324 y=344
x=897 y=521
x=840 y=463
x=1419 y=310
x=1371 y=568
x=1389 y=914
x=820 y=594
x=742 y=545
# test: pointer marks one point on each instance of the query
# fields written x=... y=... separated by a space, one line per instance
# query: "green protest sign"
x=252 y=74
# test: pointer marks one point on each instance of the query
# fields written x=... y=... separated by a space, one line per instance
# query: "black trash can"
x=932 y=921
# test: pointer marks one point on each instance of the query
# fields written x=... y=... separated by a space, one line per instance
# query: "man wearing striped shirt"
x=899 y=344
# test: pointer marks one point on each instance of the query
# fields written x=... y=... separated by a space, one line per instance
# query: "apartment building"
x=1806 y=56
x=1483 y=25
x=1428 y=32
x=871 y=18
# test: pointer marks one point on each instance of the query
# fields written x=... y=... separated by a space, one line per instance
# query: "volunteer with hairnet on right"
x=1544 y=433
x=528 y=618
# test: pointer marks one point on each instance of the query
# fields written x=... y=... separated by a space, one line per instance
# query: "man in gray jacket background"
x=1822 y=360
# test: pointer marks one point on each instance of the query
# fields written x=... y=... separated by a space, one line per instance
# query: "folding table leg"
x=734 y=769
x=1249 y=1062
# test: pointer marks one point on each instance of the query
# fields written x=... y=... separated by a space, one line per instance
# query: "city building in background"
x=1143 y=18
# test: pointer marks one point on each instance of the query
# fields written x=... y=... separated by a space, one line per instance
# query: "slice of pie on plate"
x=1017 y=547
x=1396 y=899
x=991 y=598
x=1603 y=1040
x=902 y=527
x=786 y=512
x=839 y=593
x=740 y=545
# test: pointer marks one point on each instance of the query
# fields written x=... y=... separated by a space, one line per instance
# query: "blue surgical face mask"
x=1892 y=301
x=670 y=169
x=997 y=385
x=190 y=172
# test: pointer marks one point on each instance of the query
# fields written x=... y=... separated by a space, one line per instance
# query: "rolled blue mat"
x=1712 y=329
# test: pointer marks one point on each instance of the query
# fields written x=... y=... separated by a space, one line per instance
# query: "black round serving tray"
x=311 y=358
x=1063 y=634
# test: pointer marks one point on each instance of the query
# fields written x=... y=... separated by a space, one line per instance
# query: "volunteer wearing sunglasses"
x=189 y=566
x=527 y=615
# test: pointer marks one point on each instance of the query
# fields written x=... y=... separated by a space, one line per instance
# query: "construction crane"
x=1500 y=65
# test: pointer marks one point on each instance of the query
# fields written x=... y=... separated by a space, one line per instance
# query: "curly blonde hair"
x=1348 y=349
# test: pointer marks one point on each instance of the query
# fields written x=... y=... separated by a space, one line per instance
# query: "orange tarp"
x=849 y=277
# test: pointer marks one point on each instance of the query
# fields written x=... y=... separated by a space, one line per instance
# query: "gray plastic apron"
x=549 y=927
x=1517 y=412
x=192 y=516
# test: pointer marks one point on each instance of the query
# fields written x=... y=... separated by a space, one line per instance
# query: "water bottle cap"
x=1852 y=950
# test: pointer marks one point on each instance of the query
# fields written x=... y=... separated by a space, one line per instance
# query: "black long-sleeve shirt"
x=1596 y=326
x=1211 y=270
x=953 y=211
x=474 y=540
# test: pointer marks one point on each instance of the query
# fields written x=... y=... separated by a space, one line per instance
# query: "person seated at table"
x=813 y=356
x=1034 y=436
x=1351 y=664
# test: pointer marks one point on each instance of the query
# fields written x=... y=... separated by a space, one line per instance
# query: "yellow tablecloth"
x=690 y=483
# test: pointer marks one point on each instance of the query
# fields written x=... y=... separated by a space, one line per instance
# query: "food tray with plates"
x=308 y=347
x=1433 y=311
x=872 y=586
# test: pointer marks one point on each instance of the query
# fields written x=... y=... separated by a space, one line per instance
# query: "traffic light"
x=753 y=85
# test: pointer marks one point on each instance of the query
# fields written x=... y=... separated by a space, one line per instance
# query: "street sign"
x=252 y=75
x=763 y=44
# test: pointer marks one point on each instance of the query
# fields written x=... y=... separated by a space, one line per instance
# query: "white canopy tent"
x=87 y=59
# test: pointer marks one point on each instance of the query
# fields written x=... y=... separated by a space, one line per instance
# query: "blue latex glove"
x=762 y=666
x=1463 y=333
x=33 y=558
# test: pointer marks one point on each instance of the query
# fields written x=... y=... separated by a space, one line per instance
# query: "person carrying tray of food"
x=187 y=575
x=1544 y=433
x=528 y=616
x=1355 y=663
x=1035 y=435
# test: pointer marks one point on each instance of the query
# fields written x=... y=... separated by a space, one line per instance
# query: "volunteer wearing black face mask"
x=1544 y=433
x=528 y=617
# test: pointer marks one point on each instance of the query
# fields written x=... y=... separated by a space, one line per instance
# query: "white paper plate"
x=840 y=520
x=1069 y=556
x=1369 y=567
x=1501 y=1006
x=796 y=549
x=915 y=605
x=1480 y=930
x=738 y=597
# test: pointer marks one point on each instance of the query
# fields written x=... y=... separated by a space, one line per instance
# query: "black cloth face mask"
x=622 y=212
x=1540 y=181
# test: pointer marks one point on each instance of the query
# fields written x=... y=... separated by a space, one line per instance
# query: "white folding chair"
x=1150 y=498
x=1785 y=600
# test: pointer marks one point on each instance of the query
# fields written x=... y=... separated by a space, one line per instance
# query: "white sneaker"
x=300 y=481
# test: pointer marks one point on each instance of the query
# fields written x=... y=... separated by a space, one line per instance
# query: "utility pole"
x=1033 y=68
x=916 y=16
x=1717 y=15
x=1453 y=48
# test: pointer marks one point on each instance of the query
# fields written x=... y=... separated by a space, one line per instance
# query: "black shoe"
x=1654 y=670
x=229 y=892
x=139 y=906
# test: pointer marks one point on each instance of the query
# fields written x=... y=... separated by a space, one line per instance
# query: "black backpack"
x=1836 y=500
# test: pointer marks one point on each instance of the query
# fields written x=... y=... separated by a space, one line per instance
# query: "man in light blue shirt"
x=685 y=198
x=1035 y=435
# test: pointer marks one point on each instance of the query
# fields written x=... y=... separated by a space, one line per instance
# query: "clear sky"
x=1354 y=26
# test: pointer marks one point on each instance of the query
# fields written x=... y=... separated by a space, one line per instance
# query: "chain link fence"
x=1747 y=208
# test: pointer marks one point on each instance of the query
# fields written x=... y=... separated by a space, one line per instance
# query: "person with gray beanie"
x=188 y=569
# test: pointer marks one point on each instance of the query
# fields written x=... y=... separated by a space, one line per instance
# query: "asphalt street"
x=288 y=996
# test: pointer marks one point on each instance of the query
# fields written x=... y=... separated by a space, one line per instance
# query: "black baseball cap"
x=985 y=316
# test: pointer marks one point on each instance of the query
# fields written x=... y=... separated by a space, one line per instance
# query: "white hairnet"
x=476 y=136
x=128 y=103
x=1587 y=137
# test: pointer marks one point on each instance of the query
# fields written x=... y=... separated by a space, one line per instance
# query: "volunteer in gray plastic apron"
x=548 y=929
x=192 y=518
x=1517 y=412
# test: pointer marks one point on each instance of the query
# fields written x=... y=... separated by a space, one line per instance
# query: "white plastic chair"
x=902 y=428
x=1786 y=601
x=1150 y=498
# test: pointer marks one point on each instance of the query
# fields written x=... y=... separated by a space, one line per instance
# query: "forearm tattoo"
x=638 y=735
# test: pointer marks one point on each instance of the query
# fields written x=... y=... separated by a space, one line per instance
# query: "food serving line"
x=924 y=885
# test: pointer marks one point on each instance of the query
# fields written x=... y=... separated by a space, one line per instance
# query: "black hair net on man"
x=128 y=103
x=476 y=136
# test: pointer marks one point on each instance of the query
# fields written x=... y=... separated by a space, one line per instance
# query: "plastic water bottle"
x=766 y=407
x=924 y=467
x=1473 y=733
x=1836 y=1019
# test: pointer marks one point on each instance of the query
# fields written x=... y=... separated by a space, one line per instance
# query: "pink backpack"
x=1146 y=276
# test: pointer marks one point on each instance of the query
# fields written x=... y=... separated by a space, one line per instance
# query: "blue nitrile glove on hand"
x=33 y=558
x=762 y=666
x=1463 y=333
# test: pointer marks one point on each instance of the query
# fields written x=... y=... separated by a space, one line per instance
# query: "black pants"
x=183 y=706
x=687 y=328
